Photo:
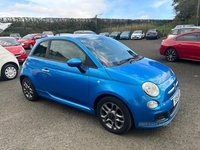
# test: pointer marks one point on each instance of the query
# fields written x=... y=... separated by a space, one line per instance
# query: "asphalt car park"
x=48 y=125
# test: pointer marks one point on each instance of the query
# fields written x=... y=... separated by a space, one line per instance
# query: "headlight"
x=22 y=50
x=150 y=89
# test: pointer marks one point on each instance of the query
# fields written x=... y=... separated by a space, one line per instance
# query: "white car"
x=9 y=65
x=180 y=30
x=48 y=33
x=137 y=34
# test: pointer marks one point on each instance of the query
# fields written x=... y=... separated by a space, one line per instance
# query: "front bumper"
x=162 y=116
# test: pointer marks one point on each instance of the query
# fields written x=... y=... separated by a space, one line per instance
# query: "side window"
x=189 y=37
x=61 y=50
x=41 y=49
x=185 y=30
x=174 y=32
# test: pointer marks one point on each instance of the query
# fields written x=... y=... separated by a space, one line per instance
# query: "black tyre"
x=29 y=90
x=114 y=115
x=9 y=71
x=171 y=55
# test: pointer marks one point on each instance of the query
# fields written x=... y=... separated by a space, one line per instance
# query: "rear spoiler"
x=4 y=26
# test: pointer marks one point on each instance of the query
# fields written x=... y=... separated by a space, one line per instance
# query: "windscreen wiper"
x=125 y=61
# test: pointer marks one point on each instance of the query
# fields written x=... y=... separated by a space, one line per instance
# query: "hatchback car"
x=115 y=35
x=137 y=34
x=15 y=35
x=13 y=46
x=153 y=34
x=48 y=33
x=84 y=32
x=102 y=76
x=104 y=33
x=125 y=35
x=177 y=31
x=9 y=65
x=183 y=46
x=29 y=40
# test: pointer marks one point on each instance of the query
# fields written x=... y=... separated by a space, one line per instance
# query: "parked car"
x=29 y=40
x=125 y=35
x=177 y=31
x=102 y=76
x=184 y=25
x=9 y=65
x=104 y=33
x=48 y=33
x=115 y=35
x=137 y=34
x=183 y=46
x=13 y=46
x=153 y=34
x=15 y=35
x=84 y=32
x=62 y=34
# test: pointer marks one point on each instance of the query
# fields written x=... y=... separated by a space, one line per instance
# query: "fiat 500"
x=104 y=77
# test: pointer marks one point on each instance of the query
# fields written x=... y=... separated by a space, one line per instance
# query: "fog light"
x=152 y=104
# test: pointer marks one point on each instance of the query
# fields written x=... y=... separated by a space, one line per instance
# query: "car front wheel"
x=114 y=115
x=29 y=90
x=171 y=55
x=9 y=72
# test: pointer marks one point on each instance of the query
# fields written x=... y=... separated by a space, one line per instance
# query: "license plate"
x=176 y=97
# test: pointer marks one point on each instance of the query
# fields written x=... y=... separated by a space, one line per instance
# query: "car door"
x=188 y=45
x=61 y=81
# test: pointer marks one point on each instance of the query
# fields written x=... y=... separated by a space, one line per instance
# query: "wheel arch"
x=8 y=64
x=106 y=95
x=172 y=48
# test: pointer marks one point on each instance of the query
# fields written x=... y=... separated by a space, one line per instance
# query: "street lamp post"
x=96 y=18
x=198 y=12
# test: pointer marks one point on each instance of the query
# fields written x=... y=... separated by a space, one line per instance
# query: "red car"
x=182 y=46
x=29 y=40
x=13 y=46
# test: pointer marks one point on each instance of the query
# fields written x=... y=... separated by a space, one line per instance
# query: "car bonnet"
x=140 y=71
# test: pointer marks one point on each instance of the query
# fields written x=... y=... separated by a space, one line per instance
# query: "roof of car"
x=189 y=27
x=195 y=31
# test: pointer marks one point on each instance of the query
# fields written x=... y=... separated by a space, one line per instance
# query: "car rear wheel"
x=114 y=115
x=9 y=72
x=171 y=55
x=29 y=90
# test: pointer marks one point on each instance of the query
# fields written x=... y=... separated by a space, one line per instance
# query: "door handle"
x=45 y=70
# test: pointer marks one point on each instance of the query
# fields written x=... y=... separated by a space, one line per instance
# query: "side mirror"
x=76 y=62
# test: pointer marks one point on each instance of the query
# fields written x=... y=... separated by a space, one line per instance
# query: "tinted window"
x=41 y=49
x=189 y=37
x=8 y=42
x=64 y=50
x=186 y=30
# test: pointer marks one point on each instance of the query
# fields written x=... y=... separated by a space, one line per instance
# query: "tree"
x=186 y=10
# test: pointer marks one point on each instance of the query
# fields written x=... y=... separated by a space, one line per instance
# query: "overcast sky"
x=115 y=9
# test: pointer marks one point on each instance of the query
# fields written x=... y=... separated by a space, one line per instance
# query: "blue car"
x=153 y=34
x=103 y=77
x=125 y=35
